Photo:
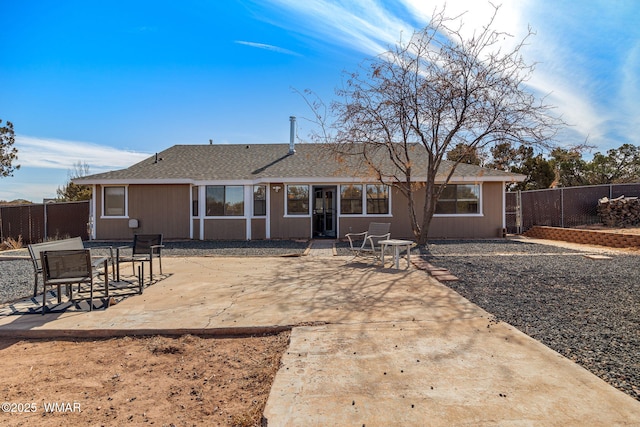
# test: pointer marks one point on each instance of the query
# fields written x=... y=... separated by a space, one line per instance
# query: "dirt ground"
x=600 y=227
x=161 y=381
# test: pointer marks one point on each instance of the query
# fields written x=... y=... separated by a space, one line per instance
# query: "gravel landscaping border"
x=586 y=309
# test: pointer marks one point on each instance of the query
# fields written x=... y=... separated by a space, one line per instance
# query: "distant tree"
x=620 y=165
x=463 y=153
x=8 y=153
x=569 y=167
x=71 y=192
x=539 y=172
x=503 y=157
x=436 y=91
x=522 y=160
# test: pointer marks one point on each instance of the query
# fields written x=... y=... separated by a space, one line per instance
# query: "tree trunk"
x=427 y=213
x=409 y=192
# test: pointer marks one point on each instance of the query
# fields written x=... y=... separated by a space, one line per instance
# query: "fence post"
x=46 y=234
x=562 y=207
x=519 y=212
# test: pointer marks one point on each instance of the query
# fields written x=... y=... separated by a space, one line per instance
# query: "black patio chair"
x=145 y=248
x=70 y=267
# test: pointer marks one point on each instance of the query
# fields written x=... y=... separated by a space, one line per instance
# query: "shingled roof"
x=261 y=163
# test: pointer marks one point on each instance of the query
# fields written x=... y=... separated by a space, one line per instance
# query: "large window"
x=225 y=200
x=459 y=199
x=377 y=199
x=259 y=200
x=297 y=200
x=351 y=199
x=114 y=201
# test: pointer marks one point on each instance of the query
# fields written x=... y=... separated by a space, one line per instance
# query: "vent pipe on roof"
x=292 y=134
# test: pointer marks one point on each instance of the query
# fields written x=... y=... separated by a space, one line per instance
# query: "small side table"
x=397 y=245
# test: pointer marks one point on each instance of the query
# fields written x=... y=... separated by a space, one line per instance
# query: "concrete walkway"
x=322 y=248
x=370 y=346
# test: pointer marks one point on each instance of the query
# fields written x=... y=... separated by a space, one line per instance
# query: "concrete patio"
x=369 y=346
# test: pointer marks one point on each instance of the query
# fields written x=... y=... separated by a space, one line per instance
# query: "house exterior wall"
x=225 y=229
x=158 y=209
x=258 y=229
x=166 y=209
x=487 y=225
x=289 y=227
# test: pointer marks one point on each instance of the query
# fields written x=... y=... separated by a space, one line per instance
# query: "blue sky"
x=110 y=83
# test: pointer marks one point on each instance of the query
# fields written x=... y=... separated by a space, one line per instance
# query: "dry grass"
x=10 y=243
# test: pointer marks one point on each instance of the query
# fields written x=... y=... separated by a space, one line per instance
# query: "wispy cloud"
x=268 y=47
x=61 y=154
x=587 y=57
x=371 y=26
x=629 y=94
x=361 y=25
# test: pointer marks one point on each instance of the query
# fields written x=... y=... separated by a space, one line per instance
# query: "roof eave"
x=300 y=179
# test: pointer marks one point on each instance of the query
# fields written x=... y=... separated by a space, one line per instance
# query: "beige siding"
x=289 y=227
x=277 y=210
x=258 y=229
x=225 y=229
x=165 y=209
x=485 y=226
x=489 y=224
x=158 y=209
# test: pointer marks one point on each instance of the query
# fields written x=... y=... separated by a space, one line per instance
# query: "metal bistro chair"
x=68 y=267
x=145 y=248
x=377 y=231
x=36 y=249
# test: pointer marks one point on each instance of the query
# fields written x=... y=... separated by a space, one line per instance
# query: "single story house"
x=278 y=191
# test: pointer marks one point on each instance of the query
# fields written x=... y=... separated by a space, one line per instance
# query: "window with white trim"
x=114 y=201
x=259 y=200
x=194 y=201
x=377 y=199
x=459 y=199
x=297 y=200
x=351 y=199
x=224 y=200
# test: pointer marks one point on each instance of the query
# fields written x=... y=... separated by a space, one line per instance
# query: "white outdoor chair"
x=367 y=242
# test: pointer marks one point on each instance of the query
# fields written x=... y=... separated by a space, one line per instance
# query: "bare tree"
x=421 y=99
x=8 y=153
x=71 y=192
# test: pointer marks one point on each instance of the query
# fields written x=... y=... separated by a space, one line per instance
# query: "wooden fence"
x=39 y=222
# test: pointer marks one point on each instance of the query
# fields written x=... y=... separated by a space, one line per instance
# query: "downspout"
x=93 y=215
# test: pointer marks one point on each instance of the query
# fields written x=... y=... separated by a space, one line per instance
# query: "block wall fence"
x=588 y=237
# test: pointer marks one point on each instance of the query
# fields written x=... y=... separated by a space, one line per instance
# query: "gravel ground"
x=585 y=309
x=16 y=275
x=225 y=248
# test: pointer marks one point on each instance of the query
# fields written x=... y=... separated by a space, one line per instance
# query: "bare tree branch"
x=422 y=98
